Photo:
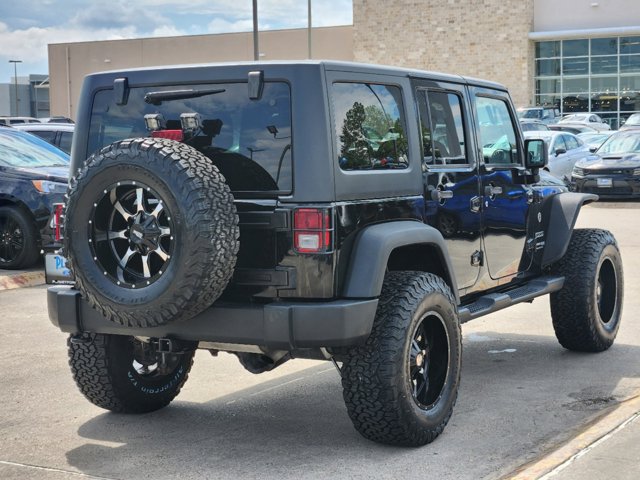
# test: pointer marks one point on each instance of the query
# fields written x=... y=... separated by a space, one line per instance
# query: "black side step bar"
x=493 y=302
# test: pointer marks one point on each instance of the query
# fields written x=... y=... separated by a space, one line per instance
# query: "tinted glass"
x=496 y=131
x=604 y=46
x=248 y=140
x=65 y=141
x=604 y=65
x=576 y=85
x=19 y=149
x=548 y=67
x=604 y=84
x=575 y=66
x=630 y=45
x=629 y=63
x=370 y=126
x=548 y=86
x=575 y=48
x=442 y=127
x=46 y=136
x=547 y=49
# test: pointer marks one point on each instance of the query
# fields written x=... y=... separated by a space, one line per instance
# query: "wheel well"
x=423 y=258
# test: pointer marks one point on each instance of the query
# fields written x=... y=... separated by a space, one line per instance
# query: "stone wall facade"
x=480 y=38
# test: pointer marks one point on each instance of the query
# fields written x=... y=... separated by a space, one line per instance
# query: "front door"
x=505 y=204
x=450 y=175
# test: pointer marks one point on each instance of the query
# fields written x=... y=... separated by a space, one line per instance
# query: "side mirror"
x=536 y=154
x=593 y=149
x=560 y=151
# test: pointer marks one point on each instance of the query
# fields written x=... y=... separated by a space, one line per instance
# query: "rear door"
x=450 y=174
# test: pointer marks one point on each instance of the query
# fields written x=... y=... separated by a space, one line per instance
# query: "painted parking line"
x=24 y=279
x=556 y=460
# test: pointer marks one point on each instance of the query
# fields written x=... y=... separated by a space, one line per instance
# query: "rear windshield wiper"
x=156 y=98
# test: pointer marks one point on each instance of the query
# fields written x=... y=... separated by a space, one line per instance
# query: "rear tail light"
x=58 y=218
x=312 y=230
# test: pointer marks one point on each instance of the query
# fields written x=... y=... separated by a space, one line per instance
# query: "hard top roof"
x=329 y=65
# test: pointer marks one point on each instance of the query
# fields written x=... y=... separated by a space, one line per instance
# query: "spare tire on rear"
x=151 y=231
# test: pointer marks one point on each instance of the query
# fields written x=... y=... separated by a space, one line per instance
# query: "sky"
x=27 y=26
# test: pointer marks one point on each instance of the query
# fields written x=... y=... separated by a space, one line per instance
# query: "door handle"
x=438 y=195
x=491 y=191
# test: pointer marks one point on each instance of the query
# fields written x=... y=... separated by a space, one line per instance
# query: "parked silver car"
x=565 y=149
x=590 y=119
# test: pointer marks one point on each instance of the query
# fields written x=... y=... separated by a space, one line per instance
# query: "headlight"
x=577 y=172
x=45 y=186
x=636 y=171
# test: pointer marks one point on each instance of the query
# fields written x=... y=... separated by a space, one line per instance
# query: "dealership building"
x=581 y=55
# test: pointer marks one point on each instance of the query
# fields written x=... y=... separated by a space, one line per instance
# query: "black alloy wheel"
x=131 y=234
x=18 y=238
x=428 y=360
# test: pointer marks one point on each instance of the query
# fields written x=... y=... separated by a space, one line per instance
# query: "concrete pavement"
x=522 y=396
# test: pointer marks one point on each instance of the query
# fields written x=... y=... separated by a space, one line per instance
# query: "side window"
x=558 y=143
x=65 y=141
x=442 y=128
x=370 y=126
x=496 y=132
x=571 y=142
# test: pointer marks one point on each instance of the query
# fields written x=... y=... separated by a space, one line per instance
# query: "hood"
x=54 y=174
x=623 y=160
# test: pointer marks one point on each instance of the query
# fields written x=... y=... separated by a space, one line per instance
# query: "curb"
x=18 y=280
x=559 y=458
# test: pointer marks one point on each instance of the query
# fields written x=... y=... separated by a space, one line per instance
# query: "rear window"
x=248 y=140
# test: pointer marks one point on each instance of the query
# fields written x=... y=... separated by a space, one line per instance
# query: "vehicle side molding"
x=562 y=213
x=374 y=246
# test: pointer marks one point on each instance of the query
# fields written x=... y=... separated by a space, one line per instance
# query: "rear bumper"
x=280 y=325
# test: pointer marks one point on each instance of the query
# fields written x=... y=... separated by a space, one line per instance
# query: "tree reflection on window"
x=369 y=127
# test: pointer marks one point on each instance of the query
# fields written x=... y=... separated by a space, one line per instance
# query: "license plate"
x=55 y=269
x=605 y=182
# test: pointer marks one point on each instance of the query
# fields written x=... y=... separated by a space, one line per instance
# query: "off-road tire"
x=580 y=321
x=376 y=377
x=28 y=254
x=102 y=367
x=205 y=231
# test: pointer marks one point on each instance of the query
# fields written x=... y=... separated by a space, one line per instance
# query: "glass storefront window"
x=575 y=48
x=546 y=68
x=576 y=85
x=547 y=49
x=629 y=63
x=604 y=46
x=575 y=66
x=601 y=65
x=547 y=100
x=630 y=45
x=548 y=86
x=589 y=75
x=604 y=84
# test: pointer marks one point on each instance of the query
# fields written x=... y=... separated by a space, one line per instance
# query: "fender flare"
x=373 y=246
x=562 y=213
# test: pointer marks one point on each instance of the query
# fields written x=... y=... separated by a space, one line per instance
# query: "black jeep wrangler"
x=323 y=210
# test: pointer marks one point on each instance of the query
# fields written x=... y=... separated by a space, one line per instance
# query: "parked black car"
x=33 y=176
x=614 y=170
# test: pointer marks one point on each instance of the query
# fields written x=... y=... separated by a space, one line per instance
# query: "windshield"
x=22 y=150
x=621 y=143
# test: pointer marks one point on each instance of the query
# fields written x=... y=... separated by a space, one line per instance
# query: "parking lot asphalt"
x=521 y=397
